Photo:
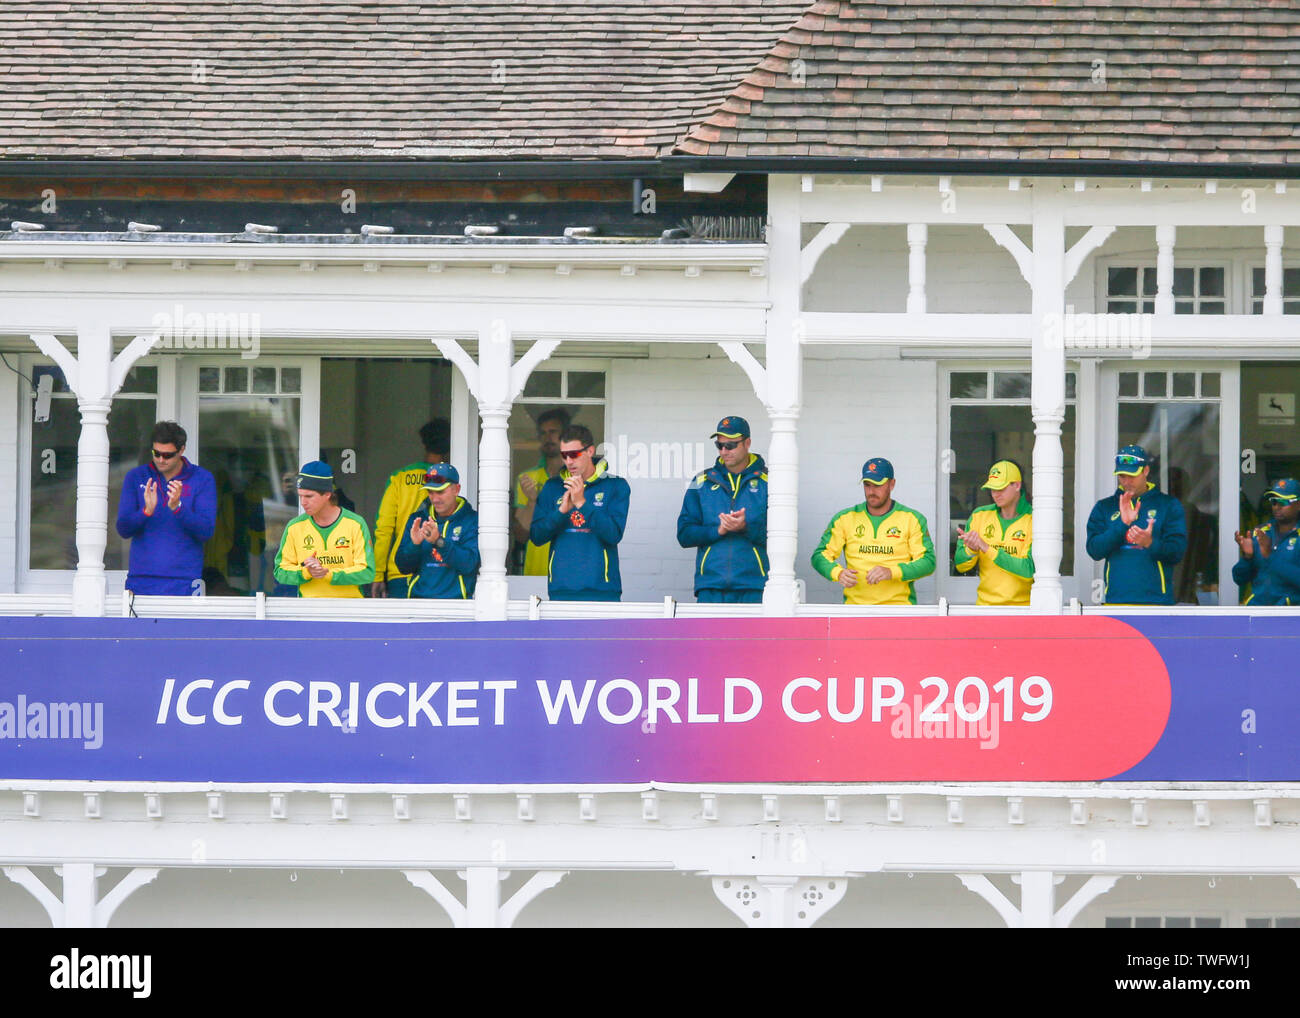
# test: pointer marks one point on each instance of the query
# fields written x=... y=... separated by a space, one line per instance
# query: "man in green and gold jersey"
x=886 y=546
x=999 y=540
x=325 y=552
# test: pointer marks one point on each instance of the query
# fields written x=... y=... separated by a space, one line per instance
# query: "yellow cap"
x=1002 y=473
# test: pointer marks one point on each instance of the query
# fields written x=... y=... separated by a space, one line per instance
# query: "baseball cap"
x=440 y=475
x=732 y=428
x=1285 y=490
x=877 y=471
x=316 y=476
x=1131 y=459
x=1002 y=473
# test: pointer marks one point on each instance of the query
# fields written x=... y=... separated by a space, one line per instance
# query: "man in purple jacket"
x=168 y=510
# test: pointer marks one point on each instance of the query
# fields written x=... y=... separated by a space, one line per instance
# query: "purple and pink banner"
x=1022 y=698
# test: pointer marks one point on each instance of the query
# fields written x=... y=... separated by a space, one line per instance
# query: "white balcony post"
x=1165 y=236
x=1047 y=399
x=916 y=238
x=94 y=401
x=1273 y=269
x=496 y=355
x=784 y=392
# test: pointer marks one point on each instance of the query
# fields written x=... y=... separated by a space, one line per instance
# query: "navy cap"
x=316 y=476
x=1285 y=490
x=440 y=475
x=1131 y=459
x=732 y=428
x=877 y=470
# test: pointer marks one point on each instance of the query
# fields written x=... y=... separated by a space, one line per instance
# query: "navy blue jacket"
x=1276 y=579
x=584 y=542
x=168 y=543
x=735 y=561
x=1139 y=575
x=449 y=571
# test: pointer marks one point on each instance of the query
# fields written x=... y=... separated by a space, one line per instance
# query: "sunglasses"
x=1131 y=461
x=728 y=446
x=573 y=454
x=158 y=454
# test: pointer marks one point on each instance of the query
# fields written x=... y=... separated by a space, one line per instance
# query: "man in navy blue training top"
x=168 y=511
x=724 y=515
x=1140 y=532
x=1270 y=555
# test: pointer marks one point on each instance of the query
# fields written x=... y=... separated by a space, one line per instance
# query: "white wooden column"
x=784 y=391
x=916 y=238
x=1273 y=269
x=1165 y=236
x=1047 y=399
x=95 y=376
x=495 y=381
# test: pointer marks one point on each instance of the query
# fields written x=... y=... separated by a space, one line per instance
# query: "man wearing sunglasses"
x=1270 y=555
x=439 y=548
x=724 y=516
x=1140 y=532
x=168 y=510
x=582 y=513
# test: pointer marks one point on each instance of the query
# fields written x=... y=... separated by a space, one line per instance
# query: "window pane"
x=543 y=385
x=209 y=379
x=1290 y=307
x=1184 y=307
x=291 y=379
x=587 y=384
x=141 y=378
x=1184 y=383
x=1256 y=307
x=1128 y=383
x=1257 y=282
x=1148 y=307
x=1211 y=307
x=1153 y=383
x=250 y=444
x=1184 y=282
x=1210 y=383
x=1208 y=922
x=54 y=478
x=1121 y=282
x=1212 y=282
x=1290 y=283
x=1122 y=307
x=1286 y=922
x=1178 y=922
x=1069 y=385
x=968 y=385
x=264 y=380
x=1257 y=924
x=1114 y=922
x=235 y=380
x=1149 y=282
x=1011 y=384
x=1146 y=922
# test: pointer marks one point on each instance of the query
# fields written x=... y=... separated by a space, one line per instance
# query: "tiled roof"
x=1163 y=81
x=370 y=79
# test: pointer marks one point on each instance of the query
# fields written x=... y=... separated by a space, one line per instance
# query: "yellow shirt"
x=343 y=548
x=537 y=557
x=898 y=540
x=402 y=497
x=1007 y=568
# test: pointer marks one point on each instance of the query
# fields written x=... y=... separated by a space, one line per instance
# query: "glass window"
x=1196 y=290
x=543 y=385
x=1290 y=291
x=1270 y=441
x=968 y=384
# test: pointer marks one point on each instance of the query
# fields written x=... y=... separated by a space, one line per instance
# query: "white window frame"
x=1232 y=273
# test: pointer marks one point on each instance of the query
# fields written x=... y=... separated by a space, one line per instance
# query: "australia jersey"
x=1007 y=568
x=899 y=540
x=404 y=494
x=343 y=548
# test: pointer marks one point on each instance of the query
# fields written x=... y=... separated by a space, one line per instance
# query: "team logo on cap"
x=726 y=422
x=871 y=465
